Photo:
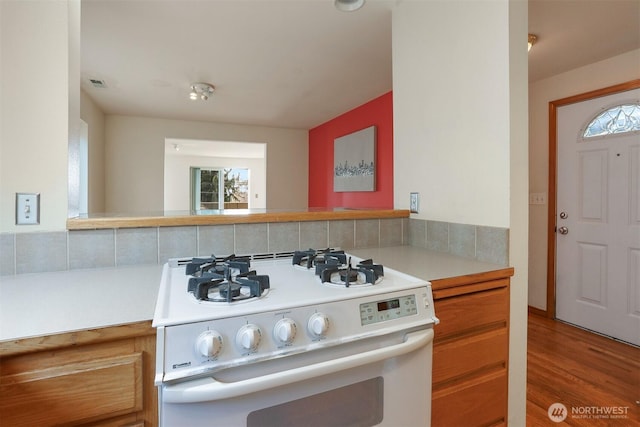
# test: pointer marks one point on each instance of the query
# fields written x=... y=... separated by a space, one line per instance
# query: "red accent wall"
x=379 y=113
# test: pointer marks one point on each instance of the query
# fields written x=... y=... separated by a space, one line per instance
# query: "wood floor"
x=589 y=374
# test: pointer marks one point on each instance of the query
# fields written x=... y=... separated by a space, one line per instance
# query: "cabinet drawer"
x=74 y=392
x=482 y=402
x=464 y=314
x=470 y=356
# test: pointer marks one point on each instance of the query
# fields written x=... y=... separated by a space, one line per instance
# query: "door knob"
x=563 y=230
x=563 y=215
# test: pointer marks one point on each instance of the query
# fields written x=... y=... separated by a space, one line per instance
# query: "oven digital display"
x=388 y=305
x=382 y=311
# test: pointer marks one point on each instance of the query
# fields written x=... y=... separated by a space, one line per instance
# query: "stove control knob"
x=285 y=331
x=318 y=325
x=209 y=344
x=248 y=338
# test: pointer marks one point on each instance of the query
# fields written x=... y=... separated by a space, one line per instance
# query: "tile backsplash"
x=38 y=252
x=486 y=244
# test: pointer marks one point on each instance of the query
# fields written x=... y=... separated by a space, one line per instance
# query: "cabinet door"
x=106 y=384
x=465 y=314
x=470 y=356
x=71 y=393
x=478 y=402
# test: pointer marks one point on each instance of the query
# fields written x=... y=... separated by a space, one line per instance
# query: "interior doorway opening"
x=237 y=170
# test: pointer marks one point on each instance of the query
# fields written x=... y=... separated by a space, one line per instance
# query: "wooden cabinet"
x=471 y=350
x=102 y=377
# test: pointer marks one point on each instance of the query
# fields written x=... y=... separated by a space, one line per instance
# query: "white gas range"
x=274 y=340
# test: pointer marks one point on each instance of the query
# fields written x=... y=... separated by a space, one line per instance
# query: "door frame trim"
x=553 y=157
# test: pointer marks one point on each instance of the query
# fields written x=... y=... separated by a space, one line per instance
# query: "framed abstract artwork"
x=354 y=161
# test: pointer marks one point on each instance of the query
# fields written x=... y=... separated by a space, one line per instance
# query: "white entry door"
x=598 y=222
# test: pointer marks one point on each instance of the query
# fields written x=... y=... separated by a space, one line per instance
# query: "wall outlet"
x=413 y=202
x=27 y=208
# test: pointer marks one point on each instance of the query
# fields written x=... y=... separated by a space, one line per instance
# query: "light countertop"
x=33 y=305
x=425 y=264
x=55 y=302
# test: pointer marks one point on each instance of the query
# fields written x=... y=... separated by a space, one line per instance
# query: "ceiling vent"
x=100 y=84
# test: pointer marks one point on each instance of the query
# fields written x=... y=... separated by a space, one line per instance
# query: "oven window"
x=356 y=405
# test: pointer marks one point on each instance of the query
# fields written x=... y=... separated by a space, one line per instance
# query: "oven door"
x=383 y=381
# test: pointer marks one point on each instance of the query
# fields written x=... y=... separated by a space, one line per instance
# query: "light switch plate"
x=27 y=208
x=537 y=198
x=413 y=202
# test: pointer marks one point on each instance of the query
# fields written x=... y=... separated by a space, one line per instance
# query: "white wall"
x=38 y=43
x=134 y=160
x=518 y=210
x=76 y=166
x=94 y=117
x=450 y=105
x=618 y=69
x=177 y=178
x=460 y=132
x=35 y=106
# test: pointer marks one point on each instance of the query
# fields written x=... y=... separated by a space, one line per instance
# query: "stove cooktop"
x=289 y=283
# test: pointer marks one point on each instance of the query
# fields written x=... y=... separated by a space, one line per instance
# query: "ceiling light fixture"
x=201 y=90
x=532 y=40
x=348 y=5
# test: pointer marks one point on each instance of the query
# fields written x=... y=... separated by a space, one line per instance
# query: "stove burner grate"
x=311 y=258
x=224 y=280
x=198 y=266
x=364 y=273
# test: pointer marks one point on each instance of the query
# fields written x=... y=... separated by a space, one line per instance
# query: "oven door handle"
x=209 y=389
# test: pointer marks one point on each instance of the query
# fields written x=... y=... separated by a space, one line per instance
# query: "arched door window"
x=623 y=118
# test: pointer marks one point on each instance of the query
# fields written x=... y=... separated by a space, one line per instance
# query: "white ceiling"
x=190 y=147
x=573 y=33
x=294 y=63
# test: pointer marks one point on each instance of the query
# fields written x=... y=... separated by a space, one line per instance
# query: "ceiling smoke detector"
x=201 y=91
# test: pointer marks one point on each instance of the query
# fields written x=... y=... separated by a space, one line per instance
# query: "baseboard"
x=537 y=311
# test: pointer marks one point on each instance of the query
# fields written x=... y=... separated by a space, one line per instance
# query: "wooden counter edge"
x=67 y=339
x=469 y=279
x=250 y=218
